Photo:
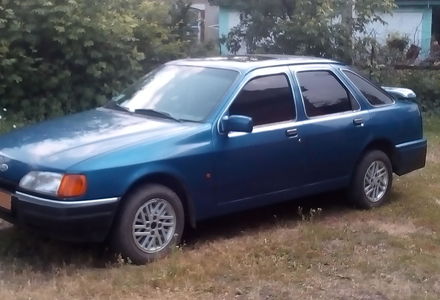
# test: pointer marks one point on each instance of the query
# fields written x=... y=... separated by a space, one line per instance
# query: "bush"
x=62 y=56
x=425 y=83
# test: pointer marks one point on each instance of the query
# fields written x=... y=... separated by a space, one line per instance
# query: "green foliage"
x=378 y=62
x=369 y=53
x=205 y=49
x=61 y=56
x=312 y=27
x=180 y=18
x=183 y=17
x=425 y=84
x=397 y=42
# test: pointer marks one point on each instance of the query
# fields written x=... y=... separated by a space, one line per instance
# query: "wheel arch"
x=172 y=182
x=374 y=150
x=383 y=145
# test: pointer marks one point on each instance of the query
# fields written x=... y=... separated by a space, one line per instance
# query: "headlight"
x=42 y=182
x=55 y=184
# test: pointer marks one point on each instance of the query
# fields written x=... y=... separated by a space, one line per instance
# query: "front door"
x=269 y=160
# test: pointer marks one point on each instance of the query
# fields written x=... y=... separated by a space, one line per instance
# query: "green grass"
x=392 y=252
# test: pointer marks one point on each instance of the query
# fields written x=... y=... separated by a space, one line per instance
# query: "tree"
x=312 y=27
x=180 y=14
x=61 y=56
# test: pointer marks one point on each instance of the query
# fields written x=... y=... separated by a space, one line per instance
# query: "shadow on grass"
x=23 y=249
x=20 y=248
x=265 y=217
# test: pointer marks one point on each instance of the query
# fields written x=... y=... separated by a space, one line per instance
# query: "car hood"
x=63 y=142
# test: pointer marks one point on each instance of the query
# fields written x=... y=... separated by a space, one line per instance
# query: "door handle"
x=358 y=122
x=292 y=132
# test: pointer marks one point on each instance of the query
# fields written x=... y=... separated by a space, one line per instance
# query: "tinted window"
x=266 y=100
x=372 y=93
x=323 y=94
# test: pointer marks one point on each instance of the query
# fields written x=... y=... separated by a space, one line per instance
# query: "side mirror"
x=236 y=124
x=400 y=93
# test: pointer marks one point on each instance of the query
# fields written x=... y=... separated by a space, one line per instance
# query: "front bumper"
x=410 y=156
x=84 y=221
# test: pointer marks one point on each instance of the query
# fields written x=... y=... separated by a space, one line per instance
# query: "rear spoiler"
x=400 y=93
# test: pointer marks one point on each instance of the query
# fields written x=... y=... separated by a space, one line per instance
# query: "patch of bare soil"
x=395 y=229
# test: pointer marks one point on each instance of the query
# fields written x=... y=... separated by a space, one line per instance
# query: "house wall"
x=228 y=18
x=211 y=19
x=415 y=23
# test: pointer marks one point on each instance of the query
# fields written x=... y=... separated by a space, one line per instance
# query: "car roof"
x=246 y=63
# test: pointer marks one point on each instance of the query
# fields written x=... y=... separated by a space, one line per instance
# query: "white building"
x=419 y=20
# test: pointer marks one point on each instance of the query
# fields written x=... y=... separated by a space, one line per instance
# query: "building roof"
x=399 y=2
x=417 y=2
x=246 y=63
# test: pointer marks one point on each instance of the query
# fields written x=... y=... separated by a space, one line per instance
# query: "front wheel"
x=372 y=180
x=150 y=225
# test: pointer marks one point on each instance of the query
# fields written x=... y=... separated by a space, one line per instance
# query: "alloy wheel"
x=376 y=181
x=154 y=225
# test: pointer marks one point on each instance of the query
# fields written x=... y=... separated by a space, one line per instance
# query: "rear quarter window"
x=373 y=94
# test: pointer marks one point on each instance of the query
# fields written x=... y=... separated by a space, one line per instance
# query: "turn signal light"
x=72 y=186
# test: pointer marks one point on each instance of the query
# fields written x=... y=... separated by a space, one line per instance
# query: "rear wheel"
x=150 y=225
x=372 y=180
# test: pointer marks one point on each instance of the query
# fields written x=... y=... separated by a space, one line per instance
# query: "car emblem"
x=3 y=167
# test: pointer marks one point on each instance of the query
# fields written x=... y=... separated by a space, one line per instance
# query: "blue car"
x=199 y=138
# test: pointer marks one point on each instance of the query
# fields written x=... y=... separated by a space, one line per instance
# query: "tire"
x=150 y=224
x=372 y=180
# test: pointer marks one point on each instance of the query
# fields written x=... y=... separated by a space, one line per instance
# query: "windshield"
x=179 y=92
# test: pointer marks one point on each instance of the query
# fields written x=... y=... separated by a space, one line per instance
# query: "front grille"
x=8 y=185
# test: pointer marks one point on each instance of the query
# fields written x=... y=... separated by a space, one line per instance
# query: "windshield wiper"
x=156 y=113
x=113 y=105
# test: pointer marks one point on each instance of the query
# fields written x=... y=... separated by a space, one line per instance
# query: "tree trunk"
x=348 y=22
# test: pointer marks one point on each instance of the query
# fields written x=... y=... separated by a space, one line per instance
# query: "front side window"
x=323 y=94
x=266 y=100
x=374 y=95
x=181 y=92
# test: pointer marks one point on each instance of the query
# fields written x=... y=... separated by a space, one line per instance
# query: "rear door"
x=334 y=128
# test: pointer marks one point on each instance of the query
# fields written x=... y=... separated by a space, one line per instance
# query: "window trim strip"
x=278 y=70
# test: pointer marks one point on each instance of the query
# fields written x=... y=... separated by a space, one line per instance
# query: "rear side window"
x=266 y=100
x=374 y=95
x=323 y=94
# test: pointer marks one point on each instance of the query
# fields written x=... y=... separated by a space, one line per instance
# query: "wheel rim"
x=376 y=181
x=154 y=225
